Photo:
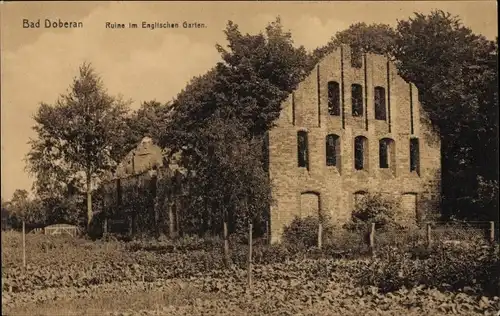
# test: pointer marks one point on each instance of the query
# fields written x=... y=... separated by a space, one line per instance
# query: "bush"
x=345 y=244
x=375 y=208
x=304 y=231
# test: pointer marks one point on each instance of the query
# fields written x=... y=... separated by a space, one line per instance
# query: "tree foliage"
x=79 y=137
x=150 y=120
x=22 y=207
x=220 y=119
x=374 y=38
x=455 y=71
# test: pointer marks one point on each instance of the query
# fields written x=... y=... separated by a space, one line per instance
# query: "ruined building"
x=138 y=196
x=352 y=126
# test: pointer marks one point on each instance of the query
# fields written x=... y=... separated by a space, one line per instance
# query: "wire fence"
x=427 y=234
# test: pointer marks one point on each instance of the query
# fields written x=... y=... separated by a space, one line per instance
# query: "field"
x=71 y=276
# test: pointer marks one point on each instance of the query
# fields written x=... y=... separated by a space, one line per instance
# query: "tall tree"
x=220 y=118
x=455 y=71
x=257 y=74
x=78 y=137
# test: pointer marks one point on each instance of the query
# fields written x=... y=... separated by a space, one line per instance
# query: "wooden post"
x=429 y=234
x=178 y=205
x=492 y=232
x=250 y=243
x=226 y=245
x=372 y=239
x=320 y=235
x=171 y=223
x=156 y=212
x=105 y=225
x=24 y=246
x=268 y=239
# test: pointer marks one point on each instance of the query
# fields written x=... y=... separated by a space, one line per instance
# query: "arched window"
x=333 y=98
x=310 y=204
x=357 y=99
x=387 y=154
x=332 y=150
x=380 y=110
x=302 y=149
x=409 y=207
x=356 y=57
x=360 y=153
x=414 y=155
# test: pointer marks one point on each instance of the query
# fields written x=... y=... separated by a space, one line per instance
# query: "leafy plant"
x=375 y=208
x=304 y=231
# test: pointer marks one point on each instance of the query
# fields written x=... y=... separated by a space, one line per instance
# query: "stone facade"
x=330 y=185
x=144 y=157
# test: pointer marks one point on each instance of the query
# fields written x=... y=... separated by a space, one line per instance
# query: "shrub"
x=345 y=244
x=304 y=231
x=375 y=208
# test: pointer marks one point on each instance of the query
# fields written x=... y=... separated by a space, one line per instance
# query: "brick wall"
x=306 y=109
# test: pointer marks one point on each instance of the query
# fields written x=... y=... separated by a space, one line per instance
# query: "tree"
x=219 y=121
x=256 y=75
x=455 y=71
x=23 y=208
x=258 y=72
x=149 y=120
x=78 y=138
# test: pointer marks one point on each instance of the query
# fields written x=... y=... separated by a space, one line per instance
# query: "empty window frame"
x=302 y=149
x=360 y=153
x=356 y=57
x=357 y=99
x=387 y=157
x=332 y=150
x=414 y=155
x=380 y=109
x=333 y=98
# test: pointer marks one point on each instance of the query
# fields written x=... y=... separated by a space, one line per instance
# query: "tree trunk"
x=89 y=200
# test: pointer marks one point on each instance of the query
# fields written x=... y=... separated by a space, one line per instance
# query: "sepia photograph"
x=334 y=158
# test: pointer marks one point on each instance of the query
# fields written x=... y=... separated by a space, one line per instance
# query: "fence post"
x=268 y=240
x=320 y=235
x=429 y=235
x=372 y=239
x=24 y=246
x=105 y=224
x=250 y=243
x=226 y=245
x=492 y=232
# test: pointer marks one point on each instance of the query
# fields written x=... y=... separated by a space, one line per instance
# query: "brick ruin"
x=352 y=126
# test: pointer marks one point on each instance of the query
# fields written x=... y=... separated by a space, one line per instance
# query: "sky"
x=38 y=64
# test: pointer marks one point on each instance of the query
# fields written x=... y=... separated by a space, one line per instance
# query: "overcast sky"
x=37 y=65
